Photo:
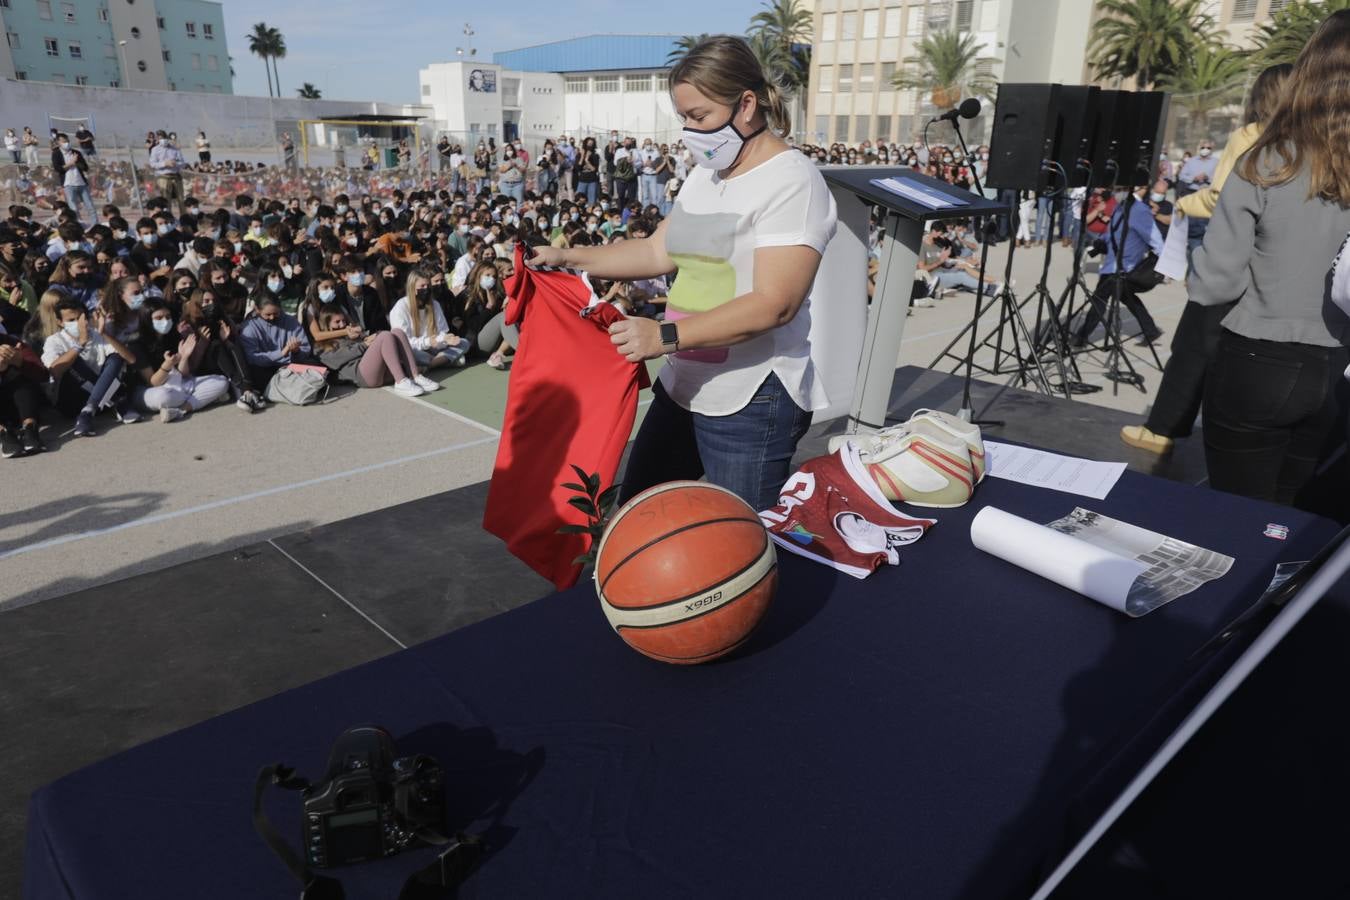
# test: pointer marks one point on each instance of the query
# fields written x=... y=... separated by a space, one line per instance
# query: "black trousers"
x=1273 y=411
x=1099 y=302
x=1183 y=381
x=225 y=358
x=624 y=191
x=19 y=399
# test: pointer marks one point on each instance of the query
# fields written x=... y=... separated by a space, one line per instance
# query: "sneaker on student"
x=84 y=424
x=426 y=384
x=128 y=416
x=9 y=445
x=462 y=361
x=920 y=469
x=169 y=414
x=245 y=404
x=28 y=436
x=924 y=302
x=407 y=388
x=496 y=361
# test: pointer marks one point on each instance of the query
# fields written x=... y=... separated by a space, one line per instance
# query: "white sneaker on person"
x=169 y=414
x=496 y=361
x=426 y=384
x=407 y=388
x=128 y=416
x=462 y=361
x=923 y=303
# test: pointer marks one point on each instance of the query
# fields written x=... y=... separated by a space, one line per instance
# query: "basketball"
x=685 y=571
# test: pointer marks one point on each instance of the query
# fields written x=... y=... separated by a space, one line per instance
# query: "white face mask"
x=162 y=326
x=1158 y=198
x=487 y=282
x=1204 y=152
x=719 y=148
x=326 y=295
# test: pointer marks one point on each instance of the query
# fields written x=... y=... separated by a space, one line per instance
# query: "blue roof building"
x=592 y=53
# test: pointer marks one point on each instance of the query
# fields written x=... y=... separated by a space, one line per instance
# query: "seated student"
x=16 y=300
x=228 y=293
x=322 y=291
x=272 y=339
x=478 y=250
x=121 y=305
x=196 y=255
x=372 y=361
x=358 y=295
x=164 y=364
x=22 y=376
x=87 y=364
x=69 y=236
x=484 y=318
x=76 y=275
x=181 y=285
x=216 y=350
x=419 y=316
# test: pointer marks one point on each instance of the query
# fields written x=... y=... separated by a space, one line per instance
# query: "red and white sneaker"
x=934 y=459
x=936 y=422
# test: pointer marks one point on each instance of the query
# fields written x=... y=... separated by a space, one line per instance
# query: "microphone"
x=969 y=109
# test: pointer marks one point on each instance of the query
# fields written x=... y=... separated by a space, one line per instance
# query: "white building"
x=583 y=85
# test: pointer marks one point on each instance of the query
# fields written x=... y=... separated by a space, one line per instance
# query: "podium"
x=869 y=350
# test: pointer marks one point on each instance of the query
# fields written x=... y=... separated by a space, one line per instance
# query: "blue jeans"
x=85 y=388
x=1042 y=231
x=588 y=189
x=76 y=193
x=955 y=279
x=1069 y=229
x=748 y=452
x=513 y=189
x=648 y=189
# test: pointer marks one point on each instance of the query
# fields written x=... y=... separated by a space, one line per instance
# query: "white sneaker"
x=426 y=384
x=952 y=428
x=169 y=414
x=407 y=388
x=496 y=361
x=923 y=303
x=918 y=469
x=462 y=361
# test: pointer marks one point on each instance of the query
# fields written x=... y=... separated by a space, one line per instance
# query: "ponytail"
x=723 y=68
x=775 y=107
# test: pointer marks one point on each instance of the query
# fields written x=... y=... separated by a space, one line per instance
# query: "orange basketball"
x=685 y=571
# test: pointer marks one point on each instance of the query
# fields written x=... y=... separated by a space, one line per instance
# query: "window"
x=167 y=56
x=68 y=12
x=887 y=76
x=866 y=80
x=846 y=79
x=848 y=30
x=892 y=27
x=4 y=4
x=196 y=60
x=159 y=21
x=81 y=79
x=576 y=86
x=637 y=83
x=869 y=24
x=136 y=32
x=76 y=51
x=841 y=128
x=825 y=79
x=1275 y=5
x=1244 y=10
x=822 y=128
x=191 y=29
x=13 y=38
x=606 y=84
x=883 y=128
x=965 y=14
x=20 y=75
x=103 y=14
x=44 y=9
x=827 y=26
x=915 y=22
x=53 y=48
x=115 y=83
x=58 y=78
x=140 y=65
x=663 y=81
x=208 y=31
x=426 y=90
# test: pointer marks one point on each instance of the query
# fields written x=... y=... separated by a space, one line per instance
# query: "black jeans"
x=1273 y=410
x=225 y=358
x=1183 y=382
x=624 y=191
x=1099 y=302
x=19 y=399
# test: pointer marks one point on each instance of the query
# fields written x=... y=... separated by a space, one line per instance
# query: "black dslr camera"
x=371 y=804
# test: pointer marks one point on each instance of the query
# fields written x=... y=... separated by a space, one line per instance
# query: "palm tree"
x=946 y=67
x=682 y=46
x=278 y=52
x=1282 y=38
x=1207 y=78
x=1146 y=39
x=309 y=92
x=786 y=26
x=260 y=45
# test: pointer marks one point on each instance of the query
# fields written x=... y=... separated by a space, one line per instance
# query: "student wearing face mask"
x=359 y=298
x=216 y=350
x=121 y=306
x=76 y=275
x=148 y=253
x=196 y=255
x=87 y=365
x=21 y=379
x=588 y=171
x=230 y=296
x=72 y=170
x=371 y=361
x=1196 y=173
x=746 y=236
x=420 y=317
x=165 y=366
x=476 y=252
x=272 y=339
x=484 y=319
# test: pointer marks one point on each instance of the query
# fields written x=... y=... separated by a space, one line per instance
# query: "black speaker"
x=1076 y=130
x=1024 y=136
x=1101 y=119
x=1149 y=136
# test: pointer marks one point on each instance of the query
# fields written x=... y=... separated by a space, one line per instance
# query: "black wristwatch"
x=670 y=337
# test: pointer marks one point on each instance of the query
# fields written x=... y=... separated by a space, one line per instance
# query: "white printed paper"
x=1172 y=263
x=919 y=194
x=1128 y=568
x=1041 y=468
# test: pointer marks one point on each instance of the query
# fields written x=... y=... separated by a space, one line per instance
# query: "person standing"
x=746 y=235
x=167 y=162
x=1195 y=174
x=203 y=148
x=287 y=150
x=85 y=138
x=1136 y=238
x=588 y=171
x=30 y=147
x=1275 y=393
x=12 y=146
x=72 y=169
x=650 y=160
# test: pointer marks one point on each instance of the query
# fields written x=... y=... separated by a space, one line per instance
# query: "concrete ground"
x=147 y=496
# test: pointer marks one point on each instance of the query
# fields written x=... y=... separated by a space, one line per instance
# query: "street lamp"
x=468 y=34
x=126 y=73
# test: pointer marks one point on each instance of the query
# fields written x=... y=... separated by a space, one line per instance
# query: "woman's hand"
x=353 y=331
x=637 y=339
x=547 y=256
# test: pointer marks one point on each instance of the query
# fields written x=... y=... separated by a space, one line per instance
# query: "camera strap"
x=316 y=887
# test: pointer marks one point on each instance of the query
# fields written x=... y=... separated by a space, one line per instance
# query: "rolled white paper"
x=1079 y=566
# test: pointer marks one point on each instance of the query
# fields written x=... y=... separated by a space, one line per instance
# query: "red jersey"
x=572 y=400
x=831 y=511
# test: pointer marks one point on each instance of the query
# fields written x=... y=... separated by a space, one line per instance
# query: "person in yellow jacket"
x=1183 y=382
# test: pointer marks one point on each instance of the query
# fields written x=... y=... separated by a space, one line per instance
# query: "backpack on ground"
x=298 y=385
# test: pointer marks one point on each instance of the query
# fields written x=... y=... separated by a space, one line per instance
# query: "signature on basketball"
x=703 y=601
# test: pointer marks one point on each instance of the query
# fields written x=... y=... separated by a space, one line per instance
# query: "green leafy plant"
x=595 y=504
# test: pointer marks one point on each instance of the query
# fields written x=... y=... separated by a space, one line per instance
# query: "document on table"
x=1128 y=568
x=918 y=193
x=1040 y=468
x=1172 y=263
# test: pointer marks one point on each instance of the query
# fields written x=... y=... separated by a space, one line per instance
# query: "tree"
x=780 y=34
x=1207 y=78
x=1147 y=39
x=1282 y=38
x=309 y=92
x=260 y=45
x=683 y=45
x=946 y=67
x=278 y=52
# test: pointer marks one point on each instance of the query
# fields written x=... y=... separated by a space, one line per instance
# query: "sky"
x=358 y=50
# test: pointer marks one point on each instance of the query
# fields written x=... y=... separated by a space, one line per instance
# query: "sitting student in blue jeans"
x=87 y=364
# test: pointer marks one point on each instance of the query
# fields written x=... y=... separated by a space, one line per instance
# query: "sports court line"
x=332 y=590
x=447 y=412
x=242 y=498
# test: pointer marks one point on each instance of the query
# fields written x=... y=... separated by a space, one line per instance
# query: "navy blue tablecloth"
x=943 y=729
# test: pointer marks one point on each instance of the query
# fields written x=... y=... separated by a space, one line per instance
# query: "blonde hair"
x=417 y=308
x=1310 y=128
x=46 y=312
x=723 y=68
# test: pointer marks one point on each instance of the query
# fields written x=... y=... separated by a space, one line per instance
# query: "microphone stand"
x=967 y=413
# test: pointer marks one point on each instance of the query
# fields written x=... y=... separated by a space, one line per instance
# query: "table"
x=944 y=729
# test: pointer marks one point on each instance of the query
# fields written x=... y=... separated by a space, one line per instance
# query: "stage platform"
x=92 y=673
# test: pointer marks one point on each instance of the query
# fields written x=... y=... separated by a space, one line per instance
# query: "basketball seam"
x=683 y=528
x=759 y=558
x=699 y=615
x=661 y=657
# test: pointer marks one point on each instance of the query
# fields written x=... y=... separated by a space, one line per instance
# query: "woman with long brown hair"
x=1274 y=394
x=1197 y=335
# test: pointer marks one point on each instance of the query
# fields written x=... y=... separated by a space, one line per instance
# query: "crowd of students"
x=166 y=314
